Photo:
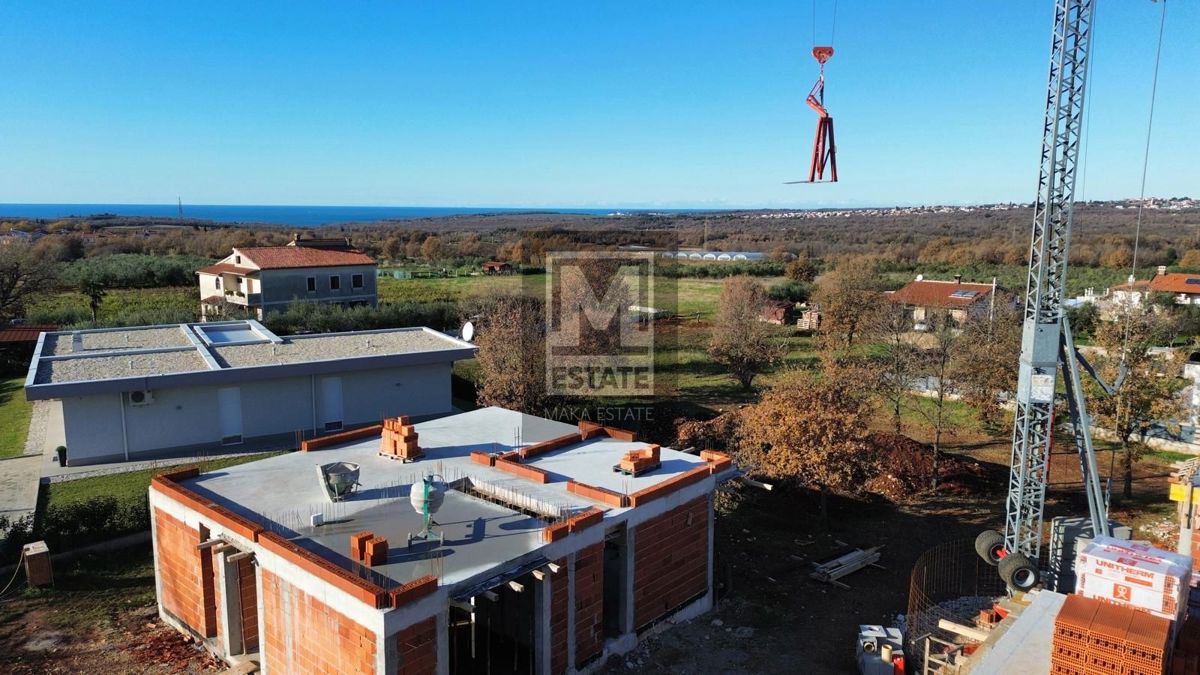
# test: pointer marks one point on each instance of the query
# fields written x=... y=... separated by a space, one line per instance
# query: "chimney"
x=1162 y=269
x=958 y=278
x=920 y=277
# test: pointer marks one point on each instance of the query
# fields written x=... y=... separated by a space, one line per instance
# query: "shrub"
x=303 y=317
x=136 y=270
x=790 y=291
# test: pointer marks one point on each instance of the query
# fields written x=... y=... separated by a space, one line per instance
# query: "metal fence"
x=949 y=581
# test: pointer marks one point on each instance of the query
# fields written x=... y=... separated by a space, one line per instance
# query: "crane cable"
x=833 y=23
x=1137 y=233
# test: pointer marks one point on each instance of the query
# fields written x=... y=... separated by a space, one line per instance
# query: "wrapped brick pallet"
x=1135 y=574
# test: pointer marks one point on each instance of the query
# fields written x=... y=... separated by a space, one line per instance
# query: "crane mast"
x=1046 y=343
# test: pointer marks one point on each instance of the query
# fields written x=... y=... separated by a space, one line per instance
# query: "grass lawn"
x=128 y=485
x=14 y=417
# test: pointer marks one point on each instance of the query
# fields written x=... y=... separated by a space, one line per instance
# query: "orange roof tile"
x=1176 y=282
x=223 y=268
x=284 y=257
x=930 y=293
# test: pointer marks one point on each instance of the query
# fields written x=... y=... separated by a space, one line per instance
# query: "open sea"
x=301 y=216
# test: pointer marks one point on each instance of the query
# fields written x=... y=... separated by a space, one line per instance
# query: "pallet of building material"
x=830 y=571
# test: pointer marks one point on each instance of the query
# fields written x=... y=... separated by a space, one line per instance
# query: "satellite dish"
x=468 y=331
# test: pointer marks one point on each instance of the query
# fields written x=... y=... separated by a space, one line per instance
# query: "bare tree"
x=23 y=276
x=1147 y=398
x=988 y=356
x=741 y=342
x=512 y=353
x=938 y=365
x=896 y=359
x=844 y=295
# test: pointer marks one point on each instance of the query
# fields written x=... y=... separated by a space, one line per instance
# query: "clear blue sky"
x=599 y=103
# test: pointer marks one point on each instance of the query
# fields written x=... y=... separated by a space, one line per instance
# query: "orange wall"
x=183 y=570
x=670 y=564
x=322 y=640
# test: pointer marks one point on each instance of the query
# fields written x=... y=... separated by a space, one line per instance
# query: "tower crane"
x=1046 y=343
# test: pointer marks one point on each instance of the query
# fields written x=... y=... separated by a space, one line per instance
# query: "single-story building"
x=510 y=544
x=778 y=312
x=155 y=391
x=926 y=297
x=1183 y=288
x=497 y=267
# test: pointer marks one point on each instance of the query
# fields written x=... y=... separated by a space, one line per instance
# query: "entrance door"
x=329 y=404
x=229 y=403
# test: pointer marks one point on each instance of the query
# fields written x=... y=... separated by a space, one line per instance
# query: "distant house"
x=1185 y=288
x=778 y=313
x=262 y=279
x=926 y=297
x=497 y=267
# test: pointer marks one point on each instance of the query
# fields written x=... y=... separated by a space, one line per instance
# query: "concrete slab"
x=284 y=492
x=1025 y=645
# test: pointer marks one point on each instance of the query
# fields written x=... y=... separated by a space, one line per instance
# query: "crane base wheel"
x=990 y=546
x=1019 y=572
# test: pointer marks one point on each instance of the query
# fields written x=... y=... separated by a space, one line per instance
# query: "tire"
x=989 y=545
x=1019 y=572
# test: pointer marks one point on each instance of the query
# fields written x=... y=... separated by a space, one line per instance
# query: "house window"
x=239 y=282
x=335 y=282
x=312 y=284
x=237 y=260
x=356 y=281
x=333 y=426
x=218 y=281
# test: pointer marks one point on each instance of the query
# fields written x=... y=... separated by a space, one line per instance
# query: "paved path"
x=20 y=476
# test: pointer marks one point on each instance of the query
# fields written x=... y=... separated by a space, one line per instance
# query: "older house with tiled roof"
x=1184 y=288
x=961 y=300
x=262 y=279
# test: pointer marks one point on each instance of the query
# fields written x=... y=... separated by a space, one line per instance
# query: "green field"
x=121 y=306
x=130 y=485
x=14 y=417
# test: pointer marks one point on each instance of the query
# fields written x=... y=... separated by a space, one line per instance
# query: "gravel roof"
x=57 y=344
x=111 y=367
x=322 y=347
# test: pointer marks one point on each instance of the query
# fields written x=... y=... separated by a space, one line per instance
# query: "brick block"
x=414 y=590
x=358 y=544
x=376 y=551
x=482 y=458
x=598 y=494
x=582 y=521
x=668 y=486
x=555 y=532
x=531 y=473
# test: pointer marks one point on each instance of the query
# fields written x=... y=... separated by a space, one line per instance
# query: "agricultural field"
x=120 y=307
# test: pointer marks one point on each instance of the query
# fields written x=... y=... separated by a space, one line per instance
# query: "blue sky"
x=672 y=104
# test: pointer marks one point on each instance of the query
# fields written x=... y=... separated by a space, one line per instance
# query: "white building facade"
x=158 y=391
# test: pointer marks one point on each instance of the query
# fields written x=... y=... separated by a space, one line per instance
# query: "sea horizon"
x=295 y=215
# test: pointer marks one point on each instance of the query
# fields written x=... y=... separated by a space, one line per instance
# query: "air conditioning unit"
x=140 y=398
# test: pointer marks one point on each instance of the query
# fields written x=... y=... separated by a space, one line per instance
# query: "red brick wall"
x=248 y=593
x=589 y=603
x=670 y=563
x=322 y=640
x=417 y=647
x=559 y=590
x=181 y=571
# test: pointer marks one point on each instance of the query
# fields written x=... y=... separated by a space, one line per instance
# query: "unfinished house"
x=484 y=542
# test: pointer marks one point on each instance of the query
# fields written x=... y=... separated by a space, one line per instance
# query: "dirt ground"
x=100 y=617
x=770 y=617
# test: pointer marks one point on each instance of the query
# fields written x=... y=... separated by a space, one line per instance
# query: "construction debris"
x=831 y=571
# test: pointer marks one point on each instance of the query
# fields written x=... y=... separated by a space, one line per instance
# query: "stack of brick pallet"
x=1136 y=574
x=400 y=439
x=1091 y=636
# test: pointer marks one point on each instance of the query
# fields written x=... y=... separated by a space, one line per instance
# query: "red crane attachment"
x=824 y=150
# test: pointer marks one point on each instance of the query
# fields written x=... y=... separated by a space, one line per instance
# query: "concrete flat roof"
x=482 y=537
x=80 y=363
